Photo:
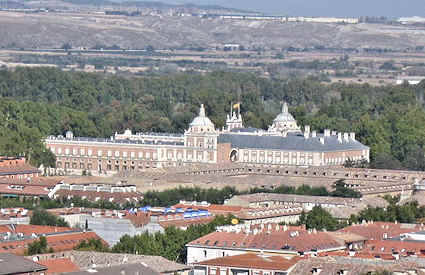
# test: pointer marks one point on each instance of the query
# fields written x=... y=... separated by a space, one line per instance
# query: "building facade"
x=282 y=144
x=17 y=168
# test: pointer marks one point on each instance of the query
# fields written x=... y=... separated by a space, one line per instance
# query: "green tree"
x=92 y=245
x=38 y=247
x=170 y=244
x=320 y=219
x=42 y=217
x=344 y=192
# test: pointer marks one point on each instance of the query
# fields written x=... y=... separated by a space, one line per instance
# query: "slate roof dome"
x=285 y=116
x=69 y=135
x=201 y=120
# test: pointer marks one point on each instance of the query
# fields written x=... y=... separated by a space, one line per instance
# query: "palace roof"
x=292 y=142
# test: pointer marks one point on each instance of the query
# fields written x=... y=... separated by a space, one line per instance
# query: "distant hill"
x=52 y=30
x=81 y=4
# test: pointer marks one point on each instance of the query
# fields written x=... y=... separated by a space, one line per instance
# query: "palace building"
x=282 y=144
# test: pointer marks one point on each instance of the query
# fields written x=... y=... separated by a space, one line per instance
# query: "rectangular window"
x=148 y=155
x=109 y=153
x=74 y=151
x=82 y=152
x=124 y=154
x=132 y=154
x=59 y=150
x=117 y=154
x=89 y=152
x=52 y=149
x=99 y=153
x=140 y=155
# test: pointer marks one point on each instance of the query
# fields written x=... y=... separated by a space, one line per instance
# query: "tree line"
x=36 y=102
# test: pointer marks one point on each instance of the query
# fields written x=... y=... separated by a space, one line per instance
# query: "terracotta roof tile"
x=255 y=261
x=34 y=181
x=403 y=248
x=28 y=229
x=381 y=230
x=24 y=190
x=291 y=239
x=59 y=265
x=60 y=242
x=18 y=169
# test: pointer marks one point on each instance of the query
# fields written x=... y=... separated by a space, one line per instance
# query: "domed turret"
x=284 y=116
x=284 y=122
x=69 y=135
x=201 y=123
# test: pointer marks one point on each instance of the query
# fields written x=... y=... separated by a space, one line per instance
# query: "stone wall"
x=367 y=181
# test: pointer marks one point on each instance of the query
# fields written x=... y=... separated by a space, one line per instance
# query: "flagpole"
x=231 y=109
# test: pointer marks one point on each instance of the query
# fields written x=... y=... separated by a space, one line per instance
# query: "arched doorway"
x=234 y=156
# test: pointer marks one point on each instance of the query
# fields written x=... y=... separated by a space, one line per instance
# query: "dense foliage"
x=344 y=192
x=31 y=204
x=171 y=244
x=38 y=247
x=407 y=213
x=339 y=190
x=319 y=219
x=218 y=196
x=173 y=196
x=42 y=217
x=92 y=245
x=41 y=101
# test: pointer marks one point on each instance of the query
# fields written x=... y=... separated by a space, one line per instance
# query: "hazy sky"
x=390 y=8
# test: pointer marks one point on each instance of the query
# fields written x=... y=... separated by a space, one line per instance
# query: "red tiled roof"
x=34 y=181
x=403 y=248
x=295 y=239
x=381 y=230
x=60 y=242
x=59 y=265
x=18 y=169
x=24 y=190
x=254 y=261
x=28 y=229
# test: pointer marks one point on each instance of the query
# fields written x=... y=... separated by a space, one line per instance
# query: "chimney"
x=339 y=137
x=322 y=140
x=306 y=131
x=353 y=136
x=327 y=132
x=346 y=137
x=314 y=134
x=396 y=256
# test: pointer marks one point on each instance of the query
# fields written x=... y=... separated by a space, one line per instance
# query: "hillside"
x=52 y=30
